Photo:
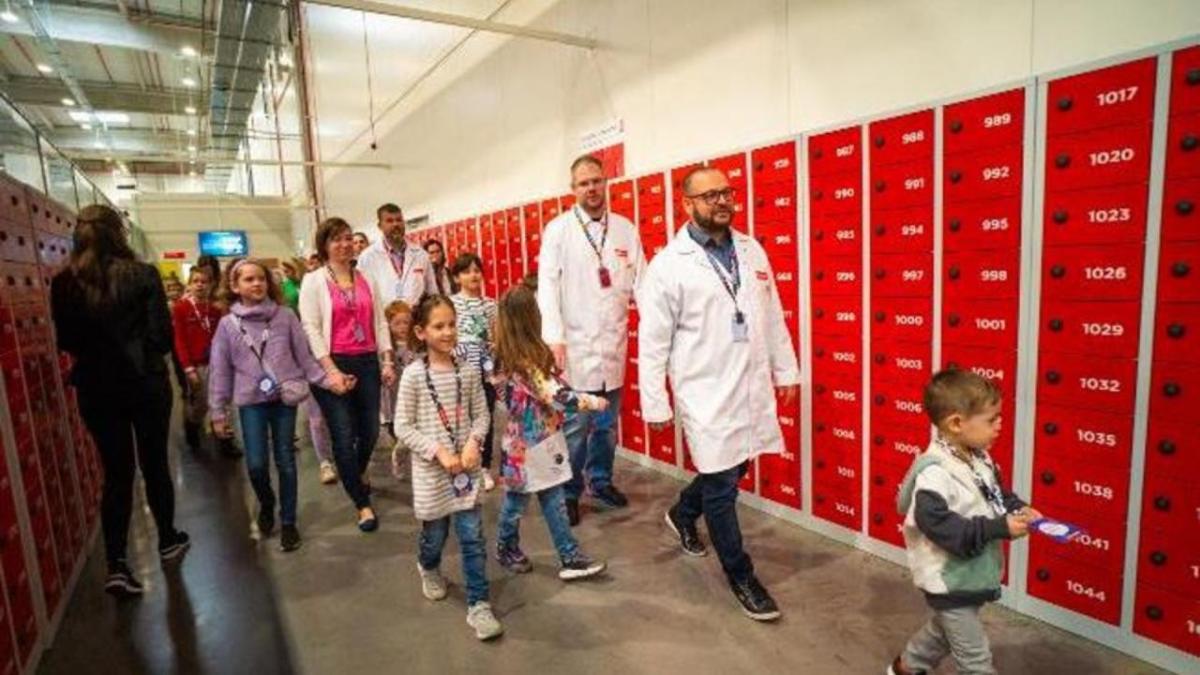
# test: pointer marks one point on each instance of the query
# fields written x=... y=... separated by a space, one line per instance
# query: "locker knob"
x=1188 y=142
x=878 y=440
x=1162 y=503
x=820 y=389
x=952 y=365
x=1043 y=574
x=1053 y=377
x=956 y=126
x=820 y=464
x=955 y=176
x=1180 y=269
x=880 y=186
x=1048 y=477
x=1166 y=447
x=1176 y=330
x=820 y=499
x=758 y=166
x=953 y=272
x=953 y=320
x=878 y=518
x=955 y=224
x=880 y=273
x=880 y=230
x=1050 y=428
x=1060 y=216
x=1193 y=77
x=1056 y=325
x=879 y=141
x=880 y=358
x=818 y=275
x=1154 y=613
x=759 y=202
x=818 y=235
x=880 y=399
x=1171 y=389
x=817 y=153
x=879 y=481
x=1158 y=558
x=1058 y=271
x=817 y=194
x=1065 y=103
x=880 y=316
x=1183 y=207
x=819 y=352
x=819 y=426
x=819 y=313
x=1062 y=161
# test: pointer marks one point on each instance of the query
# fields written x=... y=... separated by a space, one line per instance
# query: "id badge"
x=1056 y=530
x=741 y=329
x=461 y=484
x=267 y=385
x=605 y=278
x=399 y=289
x=360 y=335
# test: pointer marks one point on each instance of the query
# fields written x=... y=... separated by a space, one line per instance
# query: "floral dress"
x=535 y=448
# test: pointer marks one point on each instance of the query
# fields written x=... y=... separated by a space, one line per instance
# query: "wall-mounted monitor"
x=224 y=243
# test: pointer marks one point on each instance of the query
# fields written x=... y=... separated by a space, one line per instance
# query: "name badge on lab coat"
x=741 y=328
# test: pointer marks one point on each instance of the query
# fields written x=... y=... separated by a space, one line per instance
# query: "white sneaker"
x=489 y=483
x=328 y=473
x=433 y=584
x=480 y=617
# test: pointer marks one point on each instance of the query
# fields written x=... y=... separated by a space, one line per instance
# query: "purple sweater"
x=234 y=371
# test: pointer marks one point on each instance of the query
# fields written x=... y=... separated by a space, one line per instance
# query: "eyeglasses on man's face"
x=715 y=196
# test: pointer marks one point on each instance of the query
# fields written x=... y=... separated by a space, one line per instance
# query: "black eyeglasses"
x=714 y=196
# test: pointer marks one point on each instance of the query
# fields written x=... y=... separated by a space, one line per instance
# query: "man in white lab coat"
x=591 y=260
x=711 y=320
x=400 y=271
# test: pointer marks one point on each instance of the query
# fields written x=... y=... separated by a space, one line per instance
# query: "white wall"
x=501 y=119
x=172 y=221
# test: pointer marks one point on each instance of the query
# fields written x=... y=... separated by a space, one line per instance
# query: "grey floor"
x=348 y=602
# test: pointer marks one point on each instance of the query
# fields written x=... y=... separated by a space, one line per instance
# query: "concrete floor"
x=348 y=602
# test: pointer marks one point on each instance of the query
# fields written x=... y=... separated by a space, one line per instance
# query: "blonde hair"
x=519 y=346
x=953 y=391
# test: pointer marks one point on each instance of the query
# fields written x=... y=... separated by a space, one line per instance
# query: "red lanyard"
x=204 y=319
x=392 y=259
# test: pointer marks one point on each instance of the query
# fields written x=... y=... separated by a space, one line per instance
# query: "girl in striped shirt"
x=442 y=418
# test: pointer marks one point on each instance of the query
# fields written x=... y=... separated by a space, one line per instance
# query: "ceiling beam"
x=446 y=19
x=105 y=95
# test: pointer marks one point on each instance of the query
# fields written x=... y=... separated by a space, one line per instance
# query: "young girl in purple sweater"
x=261 y=363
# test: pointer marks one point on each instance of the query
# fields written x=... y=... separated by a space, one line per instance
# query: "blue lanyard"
x=731 y=279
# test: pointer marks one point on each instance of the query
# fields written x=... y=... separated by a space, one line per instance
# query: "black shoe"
x=121 y=582
x=289 y=538
x=266 y=522
x=173 y=550
x=228 y=448
x=689 y=538
x=580 y=567
x=611 y=497
x=573 y=511
x=756 y=601
x=191 y=433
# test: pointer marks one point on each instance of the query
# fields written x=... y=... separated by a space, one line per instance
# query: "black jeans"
x=130 y=422
x=714 y=495
x=353 y=420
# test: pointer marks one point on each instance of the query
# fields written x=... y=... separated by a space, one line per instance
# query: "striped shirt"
x=420 y=429
x=474 y=317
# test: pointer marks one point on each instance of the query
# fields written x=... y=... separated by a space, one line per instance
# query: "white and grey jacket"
x=952 y=530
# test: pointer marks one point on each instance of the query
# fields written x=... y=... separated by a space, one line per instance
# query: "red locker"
x=1083 y=436
x=1179 y=219
x=982 y=275
x=1068 y=584
x=1167 y=617
x=1092 y=272
x=901 y=139
x=775 y=164
x=987 y=174
x=904 y=231
x=990 y=121
x=901 y=185
x=977 y=226
x=1087 y=382
x=1113 y=96
x=1108 y=156
x=621 y=198
x=980 y=324
x=1108 y=329
x=835 y=152
x=837 y=235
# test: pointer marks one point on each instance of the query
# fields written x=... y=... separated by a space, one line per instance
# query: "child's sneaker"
x=121 y=582
x=170 y=551
x=580 y=567
x=897 y=668
x=481 y=618
x=289 y=538
x=433 y=584
x=328 y=473
x=513 y=559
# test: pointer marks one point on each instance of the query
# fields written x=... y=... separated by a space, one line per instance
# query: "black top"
x=121 y=342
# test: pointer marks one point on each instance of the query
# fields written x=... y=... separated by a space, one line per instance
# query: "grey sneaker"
x=513 y=559
x=433 y=584
x=580 y=567
x=480 y=617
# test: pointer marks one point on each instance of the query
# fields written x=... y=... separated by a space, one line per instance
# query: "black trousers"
x=130 y=422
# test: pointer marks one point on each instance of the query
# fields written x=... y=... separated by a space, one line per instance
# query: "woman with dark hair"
x=110 y=314
x=342 y=313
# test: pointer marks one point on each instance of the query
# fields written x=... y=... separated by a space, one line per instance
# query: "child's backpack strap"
x=905 y=496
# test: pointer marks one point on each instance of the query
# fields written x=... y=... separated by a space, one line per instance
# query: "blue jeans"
x=279 y=421
x=554 y=511
x=592 y=442
x=468 y=526
x=714 y=495
x=353 y=420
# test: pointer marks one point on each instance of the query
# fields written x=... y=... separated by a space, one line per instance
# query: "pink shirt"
x=346 y=318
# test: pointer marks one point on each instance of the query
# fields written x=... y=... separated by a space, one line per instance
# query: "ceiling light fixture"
x=85 y=126
x=189 y=82
x=8 y=16
x=69 y=102
x=191 y=148
x=43 y=68
x=188 y=51
x=191 y=110
x=191 y=132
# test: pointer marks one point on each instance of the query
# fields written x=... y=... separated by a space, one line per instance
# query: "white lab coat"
x=592 y=321
x=724 y=396
x=375 y=262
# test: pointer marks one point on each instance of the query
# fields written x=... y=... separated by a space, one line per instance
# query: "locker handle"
x=879 y=481
x=878 y=440
x=880 y=316
x=819 y=426
x=1154 y=613
x=1162 y=503
x=1060 y=216
x=953 y=272
x=1056 y=325
x=1058 y=271
x=952 y=320
x=955 y=176
x=817 y=194
x=1062 y=161
x=1180 y=269
x=818 y=275
x=1065 y=103
x=1158 y=558
x=880 y=185
x=819 y=352
x=880 y=399
x=1043 y=574
x=880 y=230
x=880 y=273
x=1050 y=428
x=1166 y=447
x=820 y=463
x=952 y=365
x=1053 y=377
x=1188 y=142
x=820 y=389
x=1171 y=389
x=1048 y=477
x=956 y=126
x=955 y=225
x=878 y=518
x=818 y=235
x=817 y=153
x=879 y=141
x=1183 y=207
x=1176 y=330
x=819 y=313
x=1193 y=77
x=880 y=359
